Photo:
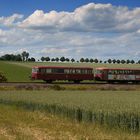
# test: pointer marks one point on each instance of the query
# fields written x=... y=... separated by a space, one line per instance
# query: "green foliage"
x=11 y=57
x=2 y=77
x=104 y=108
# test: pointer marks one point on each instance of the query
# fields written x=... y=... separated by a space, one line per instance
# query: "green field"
x=114 y=109
x=21 y=124
x=14 y=72
x=20 y=71
x=101 y=107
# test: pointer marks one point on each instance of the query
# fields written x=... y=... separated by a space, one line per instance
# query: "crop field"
x=114 y=109
x=21 y=124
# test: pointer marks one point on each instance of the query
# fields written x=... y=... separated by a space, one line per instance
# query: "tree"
x=11 y=57
x=26 y=56
x=132 y=61
x=114 y=61
x=7 y=57
x=96 y=60
x=139 y=62
x=86 y=60
x=56 y=59
x=101 y=61
x=123 y=61
x=82 y=60
x=62 y=59
x=47 y=58
x=23 y=54
x=67 y=59
x=91 y=60
x=127 y=61
x=18 y=58
x=31 y=59
x=109 y=61
x=72 y=60
x=53 y=59
x=42 y=58
x=118 y=61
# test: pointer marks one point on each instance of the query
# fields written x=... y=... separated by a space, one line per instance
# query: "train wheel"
x=76 y=81
x=48 y=81
x=110 y=82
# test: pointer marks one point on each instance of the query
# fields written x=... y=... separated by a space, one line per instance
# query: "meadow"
x=114 y=109
x=20 y=124
x=110 y=112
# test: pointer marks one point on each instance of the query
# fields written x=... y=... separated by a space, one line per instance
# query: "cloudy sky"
x=74 y=28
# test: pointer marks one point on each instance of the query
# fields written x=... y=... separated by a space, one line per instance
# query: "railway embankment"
x=69 y=86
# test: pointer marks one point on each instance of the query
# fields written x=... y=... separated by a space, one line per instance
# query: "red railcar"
x=53 y=73
x=117 y=74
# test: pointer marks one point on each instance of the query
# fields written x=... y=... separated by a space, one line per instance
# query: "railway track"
x=64 y=83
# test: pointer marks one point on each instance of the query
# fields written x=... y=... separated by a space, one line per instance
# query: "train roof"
x=64 y=67
x=105 y=68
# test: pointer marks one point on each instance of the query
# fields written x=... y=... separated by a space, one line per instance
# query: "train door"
x=105 y=75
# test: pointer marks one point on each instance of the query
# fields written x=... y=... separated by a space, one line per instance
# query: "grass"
x=17 y=123
x=117 y=109
x=125 y=101
x=20 y=71
x=94 y=65
x=14 y=72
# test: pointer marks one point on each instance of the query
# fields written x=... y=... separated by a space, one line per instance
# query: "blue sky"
x=26 y=7
x=74 y=28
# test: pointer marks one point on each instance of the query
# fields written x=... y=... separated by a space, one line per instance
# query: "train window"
x=98 y=71
x=78 y=71
x=59 y=70
x=82 y=71
x=89 y=71
x=67 y=71
x=35 y=70
x=48 y=70
x=43 y=70
x=109 y=72
x=72 y=71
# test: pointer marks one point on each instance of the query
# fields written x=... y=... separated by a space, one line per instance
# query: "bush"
x=56 y=87
x=2 y=77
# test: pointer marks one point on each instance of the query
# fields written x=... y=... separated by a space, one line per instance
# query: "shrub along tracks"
x=68 y=86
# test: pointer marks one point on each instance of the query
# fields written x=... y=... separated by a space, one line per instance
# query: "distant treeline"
x=24 y=56
x=89 y=60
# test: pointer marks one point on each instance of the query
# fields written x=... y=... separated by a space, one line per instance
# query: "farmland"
x=107 y=111
x=17 y=123
x=116 y=109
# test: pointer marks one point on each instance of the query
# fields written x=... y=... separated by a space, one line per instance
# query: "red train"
x=52 y=73
x=78 y=74
x=112 y=75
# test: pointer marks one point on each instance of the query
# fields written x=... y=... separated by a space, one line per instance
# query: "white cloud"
x=92 y=30
x=9 y=21
x=88 y=18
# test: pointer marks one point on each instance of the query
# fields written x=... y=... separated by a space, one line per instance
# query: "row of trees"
x=87 y=60
x=61 y=59
x=24 y=56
